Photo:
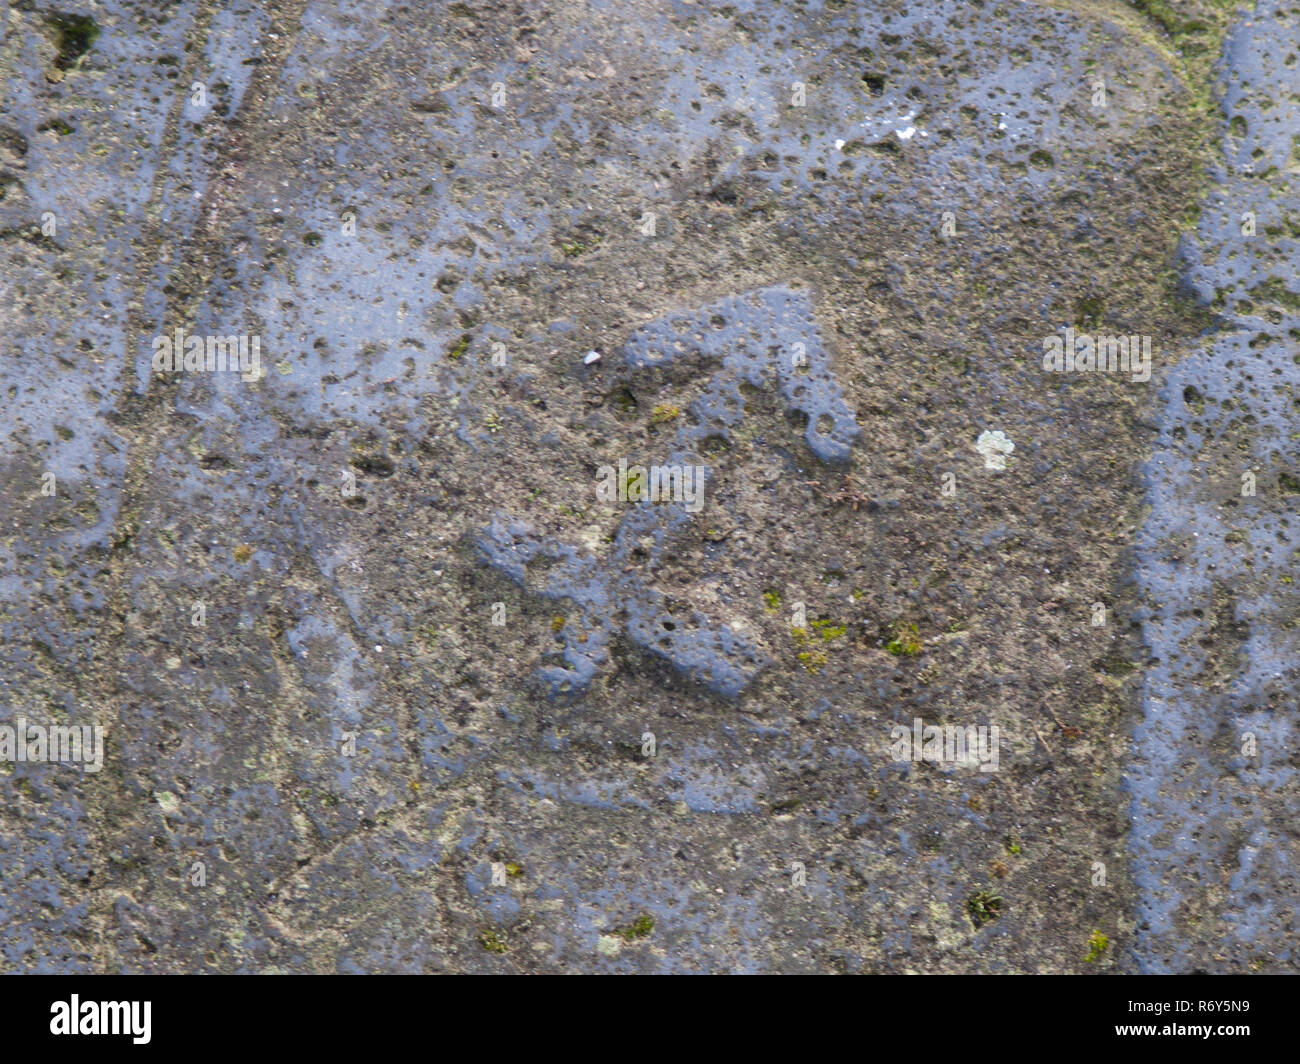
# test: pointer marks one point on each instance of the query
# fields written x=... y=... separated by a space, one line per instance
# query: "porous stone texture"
x=818 y=248
x=1216 y=793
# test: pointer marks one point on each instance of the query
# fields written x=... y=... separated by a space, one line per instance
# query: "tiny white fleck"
x=592 y=356
x=905 y=134
x=839 y=144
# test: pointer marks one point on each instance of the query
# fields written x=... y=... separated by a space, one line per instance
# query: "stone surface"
x=818 y=248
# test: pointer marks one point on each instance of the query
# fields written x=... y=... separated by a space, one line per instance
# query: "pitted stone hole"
x=718 y=321
x=12 y=141
x=379 y=465
x=797 y=420
x=73 y=36
x=825 y=424
x=625 y=402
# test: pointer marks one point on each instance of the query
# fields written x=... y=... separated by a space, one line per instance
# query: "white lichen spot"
x=995 y=447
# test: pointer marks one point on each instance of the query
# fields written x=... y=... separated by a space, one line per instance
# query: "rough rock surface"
x=386 y=686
